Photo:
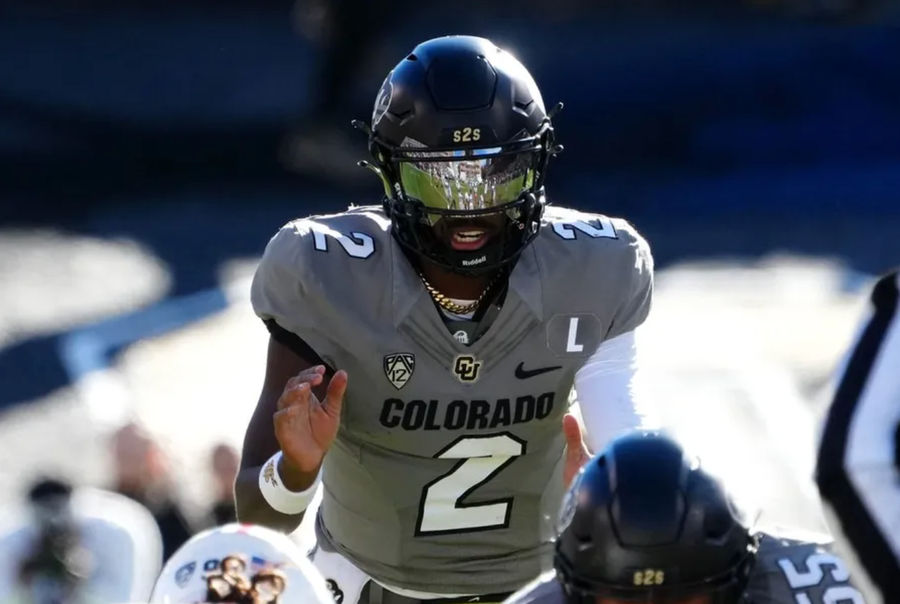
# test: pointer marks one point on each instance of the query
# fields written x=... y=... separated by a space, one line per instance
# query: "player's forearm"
x=252 y=508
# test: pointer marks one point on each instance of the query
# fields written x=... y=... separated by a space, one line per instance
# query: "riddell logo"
x=474 y=261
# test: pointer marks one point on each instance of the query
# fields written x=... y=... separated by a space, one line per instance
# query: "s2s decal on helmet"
x=649 y=576
x=467 y=134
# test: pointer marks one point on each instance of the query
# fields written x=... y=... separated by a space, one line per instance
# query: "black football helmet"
x=459 y=132
x=641 y=523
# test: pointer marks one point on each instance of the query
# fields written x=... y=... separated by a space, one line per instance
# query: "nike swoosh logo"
x=524 y=374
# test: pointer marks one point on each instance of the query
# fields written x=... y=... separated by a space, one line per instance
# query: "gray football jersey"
x=447 y=469
x=787 y=571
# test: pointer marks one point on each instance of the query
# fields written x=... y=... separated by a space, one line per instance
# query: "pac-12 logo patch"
x=399 y=367
x=467 y=368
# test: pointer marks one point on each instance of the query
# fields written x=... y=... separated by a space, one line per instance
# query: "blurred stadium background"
x=148 y=151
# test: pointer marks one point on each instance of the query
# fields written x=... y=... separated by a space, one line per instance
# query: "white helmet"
x=240 y=563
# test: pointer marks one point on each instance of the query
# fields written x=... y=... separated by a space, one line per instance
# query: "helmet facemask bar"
x=388 y=157
x=414 y=231
x=466 y=182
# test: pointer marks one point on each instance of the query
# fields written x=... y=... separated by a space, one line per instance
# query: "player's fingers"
x=283 y=415
x=309 y=372
x=334 y=395
x=572 y=431
x=310 y=375
x=294 y=395
x=285 y=422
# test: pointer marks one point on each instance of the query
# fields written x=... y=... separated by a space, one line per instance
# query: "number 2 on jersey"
x=357 y=245
x=481 y=458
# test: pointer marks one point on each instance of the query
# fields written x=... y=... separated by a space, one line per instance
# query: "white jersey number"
x=813 y=575
x=357 y=245
x=604 y=229
x=481 y=458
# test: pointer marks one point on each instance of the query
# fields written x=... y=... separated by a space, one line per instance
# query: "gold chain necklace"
x=447 y=304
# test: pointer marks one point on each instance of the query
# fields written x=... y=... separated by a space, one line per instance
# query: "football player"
x=858 y=469
x=240 y=563
x=422 y=351
x=645 y=523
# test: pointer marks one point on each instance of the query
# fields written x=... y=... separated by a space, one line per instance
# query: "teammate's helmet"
x=240 y=563
x=459 y=131
x=641 y=523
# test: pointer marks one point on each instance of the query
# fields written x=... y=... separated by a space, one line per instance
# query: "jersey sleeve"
x=607 y=391
x=636 y=279
x=278 y=292
x=284 y=292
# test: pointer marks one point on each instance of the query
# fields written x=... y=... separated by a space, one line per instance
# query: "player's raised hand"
x=305 y=426
x=577 y=453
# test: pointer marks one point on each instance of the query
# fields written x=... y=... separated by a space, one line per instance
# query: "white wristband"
x=278 y=496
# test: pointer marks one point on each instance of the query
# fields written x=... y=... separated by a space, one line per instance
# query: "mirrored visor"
x=468 y=183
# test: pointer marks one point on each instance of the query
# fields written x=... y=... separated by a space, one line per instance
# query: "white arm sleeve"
x=607 y=394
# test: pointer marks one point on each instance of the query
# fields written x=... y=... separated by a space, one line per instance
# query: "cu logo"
x=466 y=368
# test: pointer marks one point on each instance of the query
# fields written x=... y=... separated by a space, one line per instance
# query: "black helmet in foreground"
x=460 y=134
x=642 y=523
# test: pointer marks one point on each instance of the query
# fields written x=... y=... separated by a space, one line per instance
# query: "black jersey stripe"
x=833 y=481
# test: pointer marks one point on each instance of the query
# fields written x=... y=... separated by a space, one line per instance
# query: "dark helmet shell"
x=460 y=93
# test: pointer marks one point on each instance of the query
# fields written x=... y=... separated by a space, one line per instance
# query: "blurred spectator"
x=55 y=568
x=225 y=462
x=78 y=546
x=141 y=472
